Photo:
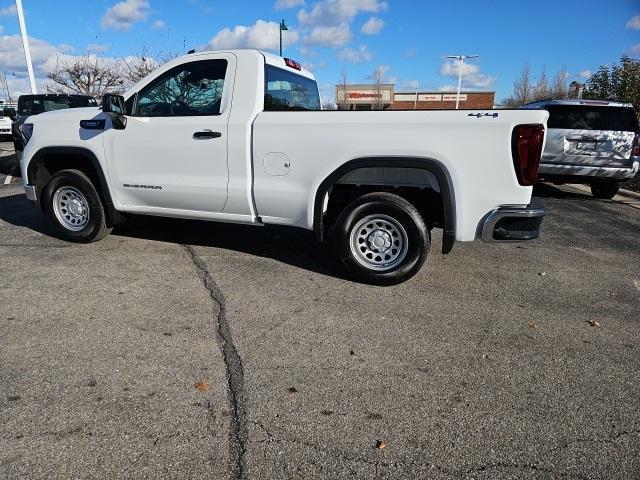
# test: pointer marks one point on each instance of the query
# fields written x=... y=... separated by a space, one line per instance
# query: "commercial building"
x=384 y=97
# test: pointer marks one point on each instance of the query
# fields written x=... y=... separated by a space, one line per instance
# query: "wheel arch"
x=72 y=157
x=437 y=168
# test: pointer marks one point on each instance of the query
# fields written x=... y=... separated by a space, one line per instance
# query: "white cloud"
x=97 y=48
x=471 y=76
x=410 y=52
x=124 y=14
x=452 y=69
x=480 y=81
x=284 y=4
x=411 y=84
x=448 y=88
x=335 y=12
x=10 y=10
x=12 y=53
x=372 y=26
x=306 y=51
x=312 y=66
x=159 y=25
x=634 y=51
x=261 y=35
x=359 y=55
x=327 y=36
x=379 y=73
x=13 y=64
x=585 y=74
x=634 y=23
x=7 y=11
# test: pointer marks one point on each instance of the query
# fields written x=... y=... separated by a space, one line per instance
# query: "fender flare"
x=113 y=215
x=433 y=166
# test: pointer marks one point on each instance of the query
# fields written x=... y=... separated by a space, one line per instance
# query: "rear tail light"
x=526 y=149
x=636 y=146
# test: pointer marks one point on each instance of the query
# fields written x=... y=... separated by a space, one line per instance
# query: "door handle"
x=206 y=134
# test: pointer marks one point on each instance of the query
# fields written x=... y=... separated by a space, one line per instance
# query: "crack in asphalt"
x=233 y=369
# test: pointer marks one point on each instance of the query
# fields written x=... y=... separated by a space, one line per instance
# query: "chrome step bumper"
x=30 y=191
x=512 y=224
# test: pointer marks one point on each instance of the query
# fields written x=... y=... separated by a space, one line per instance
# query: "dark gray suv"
x=590 y=141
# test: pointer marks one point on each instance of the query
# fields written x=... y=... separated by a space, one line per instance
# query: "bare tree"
x=86 y=75
x=377 y=77
x=559 y=88
x=541 y=90
x=95 y=75
x=522 y=89
x=136 y=67
x=342 y=103
x=329 y=105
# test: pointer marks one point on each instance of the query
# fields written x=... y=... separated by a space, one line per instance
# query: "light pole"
x=25 y=45
x=460 y=59
x=283 y=27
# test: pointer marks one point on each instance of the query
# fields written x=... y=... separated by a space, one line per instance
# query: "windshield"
x=35 y=105
x=592 y=118
x=288 y=91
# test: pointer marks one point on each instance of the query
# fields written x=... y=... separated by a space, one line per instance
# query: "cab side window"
x=192 y=89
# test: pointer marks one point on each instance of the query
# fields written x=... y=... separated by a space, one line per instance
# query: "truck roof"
x=270 y=59
x=578 y=102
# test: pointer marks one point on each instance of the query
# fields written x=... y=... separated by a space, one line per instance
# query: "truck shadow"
x=9 y=165
x=547 y=190
x=293 y=246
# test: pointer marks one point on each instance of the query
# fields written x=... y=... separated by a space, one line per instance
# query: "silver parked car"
x=590 y=141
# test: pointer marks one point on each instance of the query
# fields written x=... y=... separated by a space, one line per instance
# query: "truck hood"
x=66 y=115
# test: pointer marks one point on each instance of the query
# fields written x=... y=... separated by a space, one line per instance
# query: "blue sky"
x=407 y=39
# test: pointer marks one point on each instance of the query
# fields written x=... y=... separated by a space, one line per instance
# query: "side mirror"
x=113 y=106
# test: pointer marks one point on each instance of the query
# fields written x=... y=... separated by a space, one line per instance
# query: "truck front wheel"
x=382 y=239
x=74 y=206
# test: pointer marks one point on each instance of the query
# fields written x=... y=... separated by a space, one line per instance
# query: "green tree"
x=619 y=82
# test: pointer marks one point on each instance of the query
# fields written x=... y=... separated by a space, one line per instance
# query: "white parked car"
x=5 y=125
x=590 y=141
x=236 y=136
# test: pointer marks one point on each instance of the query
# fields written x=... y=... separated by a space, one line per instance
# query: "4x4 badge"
x=478 y=115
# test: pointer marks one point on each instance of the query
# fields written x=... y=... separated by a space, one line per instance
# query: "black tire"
x=396 y=217
x=95 y=227
x=605 y=190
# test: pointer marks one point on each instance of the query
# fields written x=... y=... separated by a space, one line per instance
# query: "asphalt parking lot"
x=175 y=349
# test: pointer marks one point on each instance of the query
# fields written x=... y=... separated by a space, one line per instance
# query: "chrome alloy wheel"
x=71 y=208
x=379 y=242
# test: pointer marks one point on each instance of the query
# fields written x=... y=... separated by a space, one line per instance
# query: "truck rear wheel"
x=382 y=239
x=606 y=190
x=74 y=206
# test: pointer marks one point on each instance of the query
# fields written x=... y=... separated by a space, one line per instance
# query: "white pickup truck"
x=237 y=136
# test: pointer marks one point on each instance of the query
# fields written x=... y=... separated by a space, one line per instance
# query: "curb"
x=629 y=194
x=625 y=197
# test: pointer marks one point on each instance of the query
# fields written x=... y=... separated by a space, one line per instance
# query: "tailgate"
x=590 y=135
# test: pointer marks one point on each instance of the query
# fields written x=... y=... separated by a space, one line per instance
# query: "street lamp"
x=283 y=27
x=460 y=59
x=25 y=45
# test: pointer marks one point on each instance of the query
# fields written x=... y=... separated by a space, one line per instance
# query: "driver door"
x=172 y=156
